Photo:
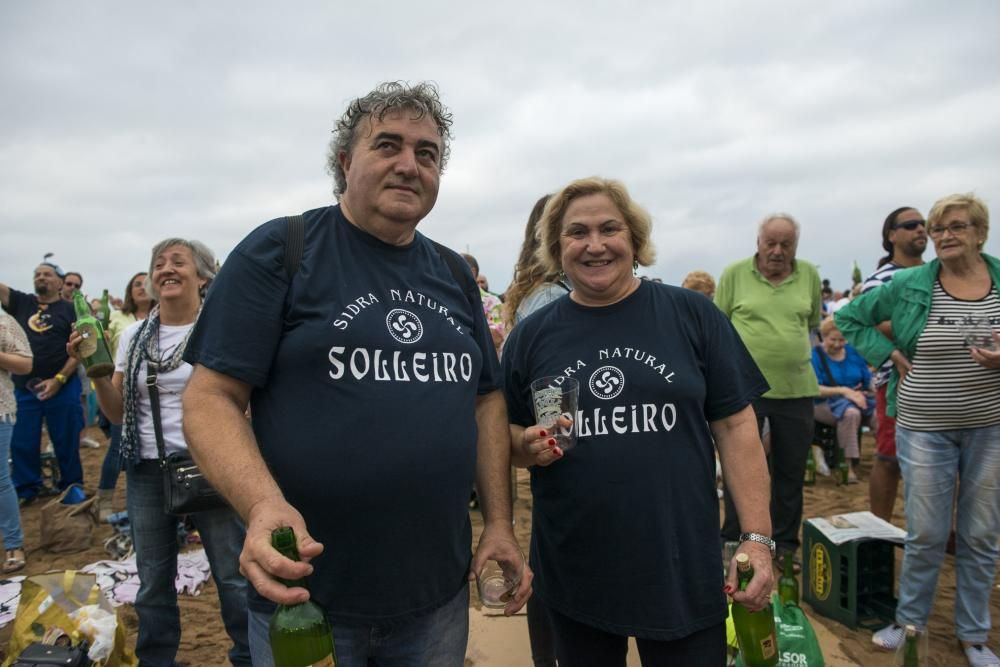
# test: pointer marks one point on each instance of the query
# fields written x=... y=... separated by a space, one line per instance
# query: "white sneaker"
x=90 y=443
x=820 y=458
x=980 y=656
x=889 y=637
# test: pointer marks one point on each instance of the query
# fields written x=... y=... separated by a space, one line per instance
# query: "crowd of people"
x=346 y=376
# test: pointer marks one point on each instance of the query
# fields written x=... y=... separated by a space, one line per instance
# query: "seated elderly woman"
x=846 y=398
x=625 y=524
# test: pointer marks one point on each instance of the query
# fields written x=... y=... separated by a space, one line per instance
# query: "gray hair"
x=778 y=216
x=204 y=262
x=420 y=99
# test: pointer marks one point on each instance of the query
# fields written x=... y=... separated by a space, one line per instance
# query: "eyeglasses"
x=71 y=285
x=955 y=228
x=909 y=225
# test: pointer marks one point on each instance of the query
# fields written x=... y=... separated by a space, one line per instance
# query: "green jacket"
x=906 y=301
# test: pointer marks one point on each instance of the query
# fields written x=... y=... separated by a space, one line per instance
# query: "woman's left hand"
x=758 y=592
x=987 y=358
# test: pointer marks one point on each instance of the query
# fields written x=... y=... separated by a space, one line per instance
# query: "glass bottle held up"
x=755 y=630
x=300 y=634
x=93 y=349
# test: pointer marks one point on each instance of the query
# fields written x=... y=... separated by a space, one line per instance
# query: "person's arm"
x=224 y=447
x=51 y=386
x=16 y=363
x=859 y=321
x=4 y=296
x=493 y=486
x=108 y=389
x=745 y=471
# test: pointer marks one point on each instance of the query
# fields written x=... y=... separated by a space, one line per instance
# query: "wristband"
x=759 y=539
x=61 y=378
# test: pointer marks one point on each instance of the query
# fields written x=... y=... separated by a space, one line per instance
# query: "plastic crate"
x=852 y=582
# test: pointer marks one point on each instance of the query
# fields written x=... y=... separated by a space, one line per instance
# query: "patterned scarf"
x=144 y=346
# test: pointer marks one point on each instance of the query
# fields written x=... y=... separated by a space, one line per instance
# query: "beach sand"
x=496 y=641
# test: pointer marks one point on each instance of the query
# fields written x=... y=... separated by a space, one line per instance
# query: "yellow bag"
x=47 y=600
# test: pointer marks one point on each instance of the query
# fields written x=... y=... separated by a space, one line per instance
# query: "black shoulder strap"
x=154 y=404
x=826 y=366
x=294 y=244
x=459 y=271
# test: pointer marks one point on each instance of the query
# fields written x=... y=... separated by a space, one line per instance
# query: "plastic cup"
x=556 y=396
x=497 y=582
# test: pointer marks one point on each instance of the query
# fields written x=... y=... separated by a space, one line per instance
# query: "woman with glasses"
x=944 y=392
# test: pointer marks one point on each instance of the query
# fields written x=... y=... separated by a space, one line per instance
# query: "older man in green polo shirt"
x=773 y=300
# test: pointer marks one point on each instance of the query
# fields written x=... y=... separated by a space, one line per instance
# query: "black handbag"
x=38 y=654
x=185 y=489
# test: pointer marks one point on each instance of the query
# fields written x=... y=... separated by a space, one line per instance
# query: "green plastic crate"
x=851 y=583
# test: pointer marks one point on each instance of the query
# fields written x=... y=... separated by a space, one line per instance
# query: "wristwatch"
x=61 y=378
x=760 y=539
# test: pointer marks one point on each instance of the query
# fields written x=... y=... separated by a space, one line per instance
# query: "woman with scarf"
x=179 y=273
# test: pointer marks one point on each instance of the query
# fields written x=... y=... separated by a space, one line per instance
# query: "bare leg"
x=882 y=487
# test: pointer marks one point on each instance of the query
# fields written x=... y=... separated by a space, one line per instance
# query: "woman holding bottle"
x=179 y=273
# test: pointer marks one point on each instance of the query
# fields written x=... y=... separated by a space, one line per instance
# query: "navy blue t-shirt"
x=365 y=374
x=48 y=326
x=626 y=525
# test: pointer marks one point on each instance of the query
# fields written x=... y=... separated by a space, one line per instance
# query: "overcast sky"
x=126 y=122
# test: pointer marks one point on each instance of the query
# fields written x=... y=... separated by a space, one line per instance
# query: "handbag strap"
x=826 y=366
x=154 y=404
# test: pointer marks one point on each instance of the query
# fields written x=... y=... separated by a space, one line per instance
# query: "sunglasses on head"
x=909 y=225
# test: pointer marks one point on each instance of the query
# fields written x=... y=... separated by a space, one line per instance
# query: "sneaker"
x=90 y=443
x=889 y=637
x=820 y=458
x=980 y=656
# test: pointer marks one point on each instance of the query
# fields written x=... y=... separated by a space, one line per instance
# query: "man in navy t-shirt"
x=375 y=401
x=51 y=391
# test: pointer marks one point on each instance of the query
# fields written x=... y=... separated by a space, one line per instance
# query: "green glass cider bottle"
x=911 y=651
x=93 y=348
x=754 y=629
x=841 y=470
x=810 y=478
x=300 y=634
x=104 y=314
x=788 y=585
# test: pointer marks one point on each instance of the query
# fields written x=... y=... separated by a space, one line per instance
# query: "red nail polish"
x=552 y=441
x=728 y=589
x=543 y=433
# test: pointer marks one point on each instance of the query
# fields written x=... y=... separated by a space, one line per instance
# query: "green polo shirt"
x=774 y=322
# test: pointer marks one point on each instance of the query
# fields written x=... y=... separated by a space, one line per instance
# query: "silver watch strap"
x=760 y=539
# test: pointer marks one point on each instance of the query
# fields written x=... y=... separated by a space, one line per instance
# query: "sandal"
x=889 y=637
x=980 y=656
x=14 y=560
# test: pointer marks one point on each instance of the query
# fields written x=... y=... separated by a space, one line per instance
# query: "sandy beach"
x=496 y=641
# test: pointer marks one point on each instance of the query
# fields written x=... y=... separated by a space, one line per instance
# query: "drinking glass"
x=556 y=396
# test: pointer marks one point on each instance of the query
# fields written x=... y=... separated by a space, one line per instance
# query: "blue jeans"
x=64 y=418
x=112 y=460
x=933 y=464
x=154 y=536
x=10 y=515
x=437 y=639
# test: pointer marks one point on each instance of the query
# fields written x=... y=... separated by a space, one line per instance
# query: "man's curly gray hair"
x=420 y=99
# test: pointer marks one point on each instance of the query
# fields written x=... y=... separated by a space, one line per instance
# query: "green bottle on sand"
x=810 y=478
x=788 y=585
x=300 y=634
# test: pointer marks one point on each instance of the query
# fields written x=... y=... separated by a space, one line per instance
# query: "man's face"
x=393 y=170
x=47 y=282
x=71 y=284
x=910 y=242
x=776 y=247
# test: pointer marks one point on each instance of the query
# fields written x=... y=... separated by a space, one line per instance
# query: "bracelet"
x=61 y=378
x=759 y=539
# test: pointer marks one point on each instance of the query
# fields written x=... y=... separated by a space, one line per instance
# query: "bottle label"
x=88 y=346
x=768 y=647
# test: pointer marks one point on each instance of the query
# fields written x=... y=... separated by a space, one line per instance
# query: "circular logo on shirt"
x=404 y=326
x=607 y=382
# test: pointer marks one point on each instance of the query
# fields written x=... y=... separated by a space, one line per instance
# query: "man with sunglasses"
x=904 y=237
x=72 y=284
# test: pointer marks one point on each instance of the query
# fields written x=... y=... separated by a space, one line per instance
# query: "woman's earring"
x=635 y=267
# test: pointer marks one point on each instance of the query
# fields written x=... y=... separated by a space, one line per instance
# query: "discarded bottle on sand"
x=755 y=630
x=788 y=585
x=300 y=634
x=913 y=651
x=810 y=478
x=841 y=472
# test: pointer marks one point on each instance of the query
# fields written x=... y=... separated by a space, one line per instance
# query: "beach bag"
x=68 y=528
x=185 y=489
x=68 y=603
x=797 y=643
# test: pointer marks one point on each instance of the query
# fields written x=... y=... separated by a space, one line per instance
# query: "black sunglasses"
x=909 y=225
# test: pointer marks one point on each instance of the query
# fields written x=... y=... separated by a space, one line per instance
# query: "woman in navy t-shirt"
x=625 y=525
